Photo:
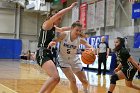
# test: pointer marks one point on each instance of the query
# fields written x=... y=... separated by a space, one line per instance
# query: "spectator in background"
x=102 y=53
x=26 y=56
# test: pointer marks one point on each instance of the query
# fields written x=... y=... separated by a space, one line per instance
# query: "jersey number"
x=68 y=51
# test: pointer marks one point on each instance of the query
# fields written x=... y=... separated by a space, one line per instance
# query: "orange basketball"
x=88 y=57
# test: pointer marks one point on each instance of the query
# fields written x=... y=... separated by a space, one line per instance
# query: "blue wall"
x=10 y=48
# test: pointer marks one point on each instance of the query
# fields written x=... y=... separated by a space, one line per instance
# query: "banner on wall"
x=99 y=18
x=94 y=41
x=110 y=13
x=83 y=14
x=137 y=40
x=75 y=14
x=91 y=16
x=136 y=11
x=63 y=1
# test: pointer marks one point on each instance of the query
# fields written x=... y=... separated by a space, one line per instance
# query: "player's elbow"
x=46 y=26
x=131 y=59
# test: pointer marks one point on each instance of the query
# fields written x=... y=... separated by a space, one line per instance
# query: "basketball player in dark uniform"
x=127 y=67
x=44 y=56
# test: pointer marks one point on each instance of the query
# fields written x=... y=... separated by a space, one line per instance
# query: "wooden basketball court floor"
x=25 y=77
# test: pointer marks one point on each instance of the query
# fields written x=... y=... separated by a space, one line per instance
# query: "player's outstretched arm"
x=48 y=24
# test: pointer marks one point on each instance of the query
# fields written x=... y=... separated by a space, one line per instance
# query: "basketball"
x=88 y=57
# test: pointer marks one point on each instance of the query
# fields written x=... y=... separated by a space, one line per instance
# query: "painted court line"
x=4 y=89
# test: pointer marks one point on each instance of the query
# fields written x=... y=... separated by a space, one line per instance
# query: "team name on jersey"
x=69 y=46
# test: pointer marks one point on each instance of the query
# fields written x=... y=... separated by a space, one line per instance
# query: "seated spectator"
x=28 y=56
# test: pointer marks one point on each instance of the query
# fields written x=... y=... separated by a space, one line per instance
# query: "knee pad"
x=113 y=79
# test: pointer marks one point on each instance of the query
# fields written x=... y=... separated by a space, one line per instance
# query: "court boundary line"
x=8 y=88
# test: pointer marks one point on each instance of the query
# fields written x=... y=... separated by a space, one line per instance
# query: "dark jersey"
x=122 y=57
x=46 y=37
x=127 y=67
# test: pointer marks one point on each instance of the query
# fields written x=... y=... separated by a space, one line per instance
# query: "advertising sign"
x=136 y=11
x=94 y=41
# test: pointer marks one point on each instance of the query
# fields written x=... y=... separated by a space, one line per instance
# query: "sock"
x=109 y=92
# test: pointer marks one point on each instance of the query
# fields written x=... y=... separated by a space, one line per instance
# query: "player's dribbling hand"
x=52 y=43
x=92 y=49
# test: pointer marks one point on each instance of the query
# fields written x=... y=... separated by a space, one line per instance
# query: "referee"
x=102 y=53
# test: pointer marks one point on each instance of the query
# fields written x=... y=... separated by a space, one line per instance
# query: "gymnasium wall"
x=7 y=23
x=28 y=29
x=30 y=23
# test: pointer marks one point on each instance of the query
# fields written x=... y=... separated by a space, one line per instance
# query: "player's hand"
x=74 y=4
x=52 y=43
x=106 y=56
x=116 y=70
x=92 y=49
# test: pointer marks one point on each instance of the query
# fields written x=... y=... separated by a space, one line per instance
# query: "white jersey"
x=68 y=51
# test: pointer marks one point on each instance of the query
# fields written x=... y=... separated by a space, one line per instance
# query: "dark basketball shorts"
x=43 y=55
x=129 y=73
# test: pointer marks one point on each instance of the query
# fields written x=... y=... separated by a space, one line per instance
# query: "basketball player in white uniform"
x=70 y=62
